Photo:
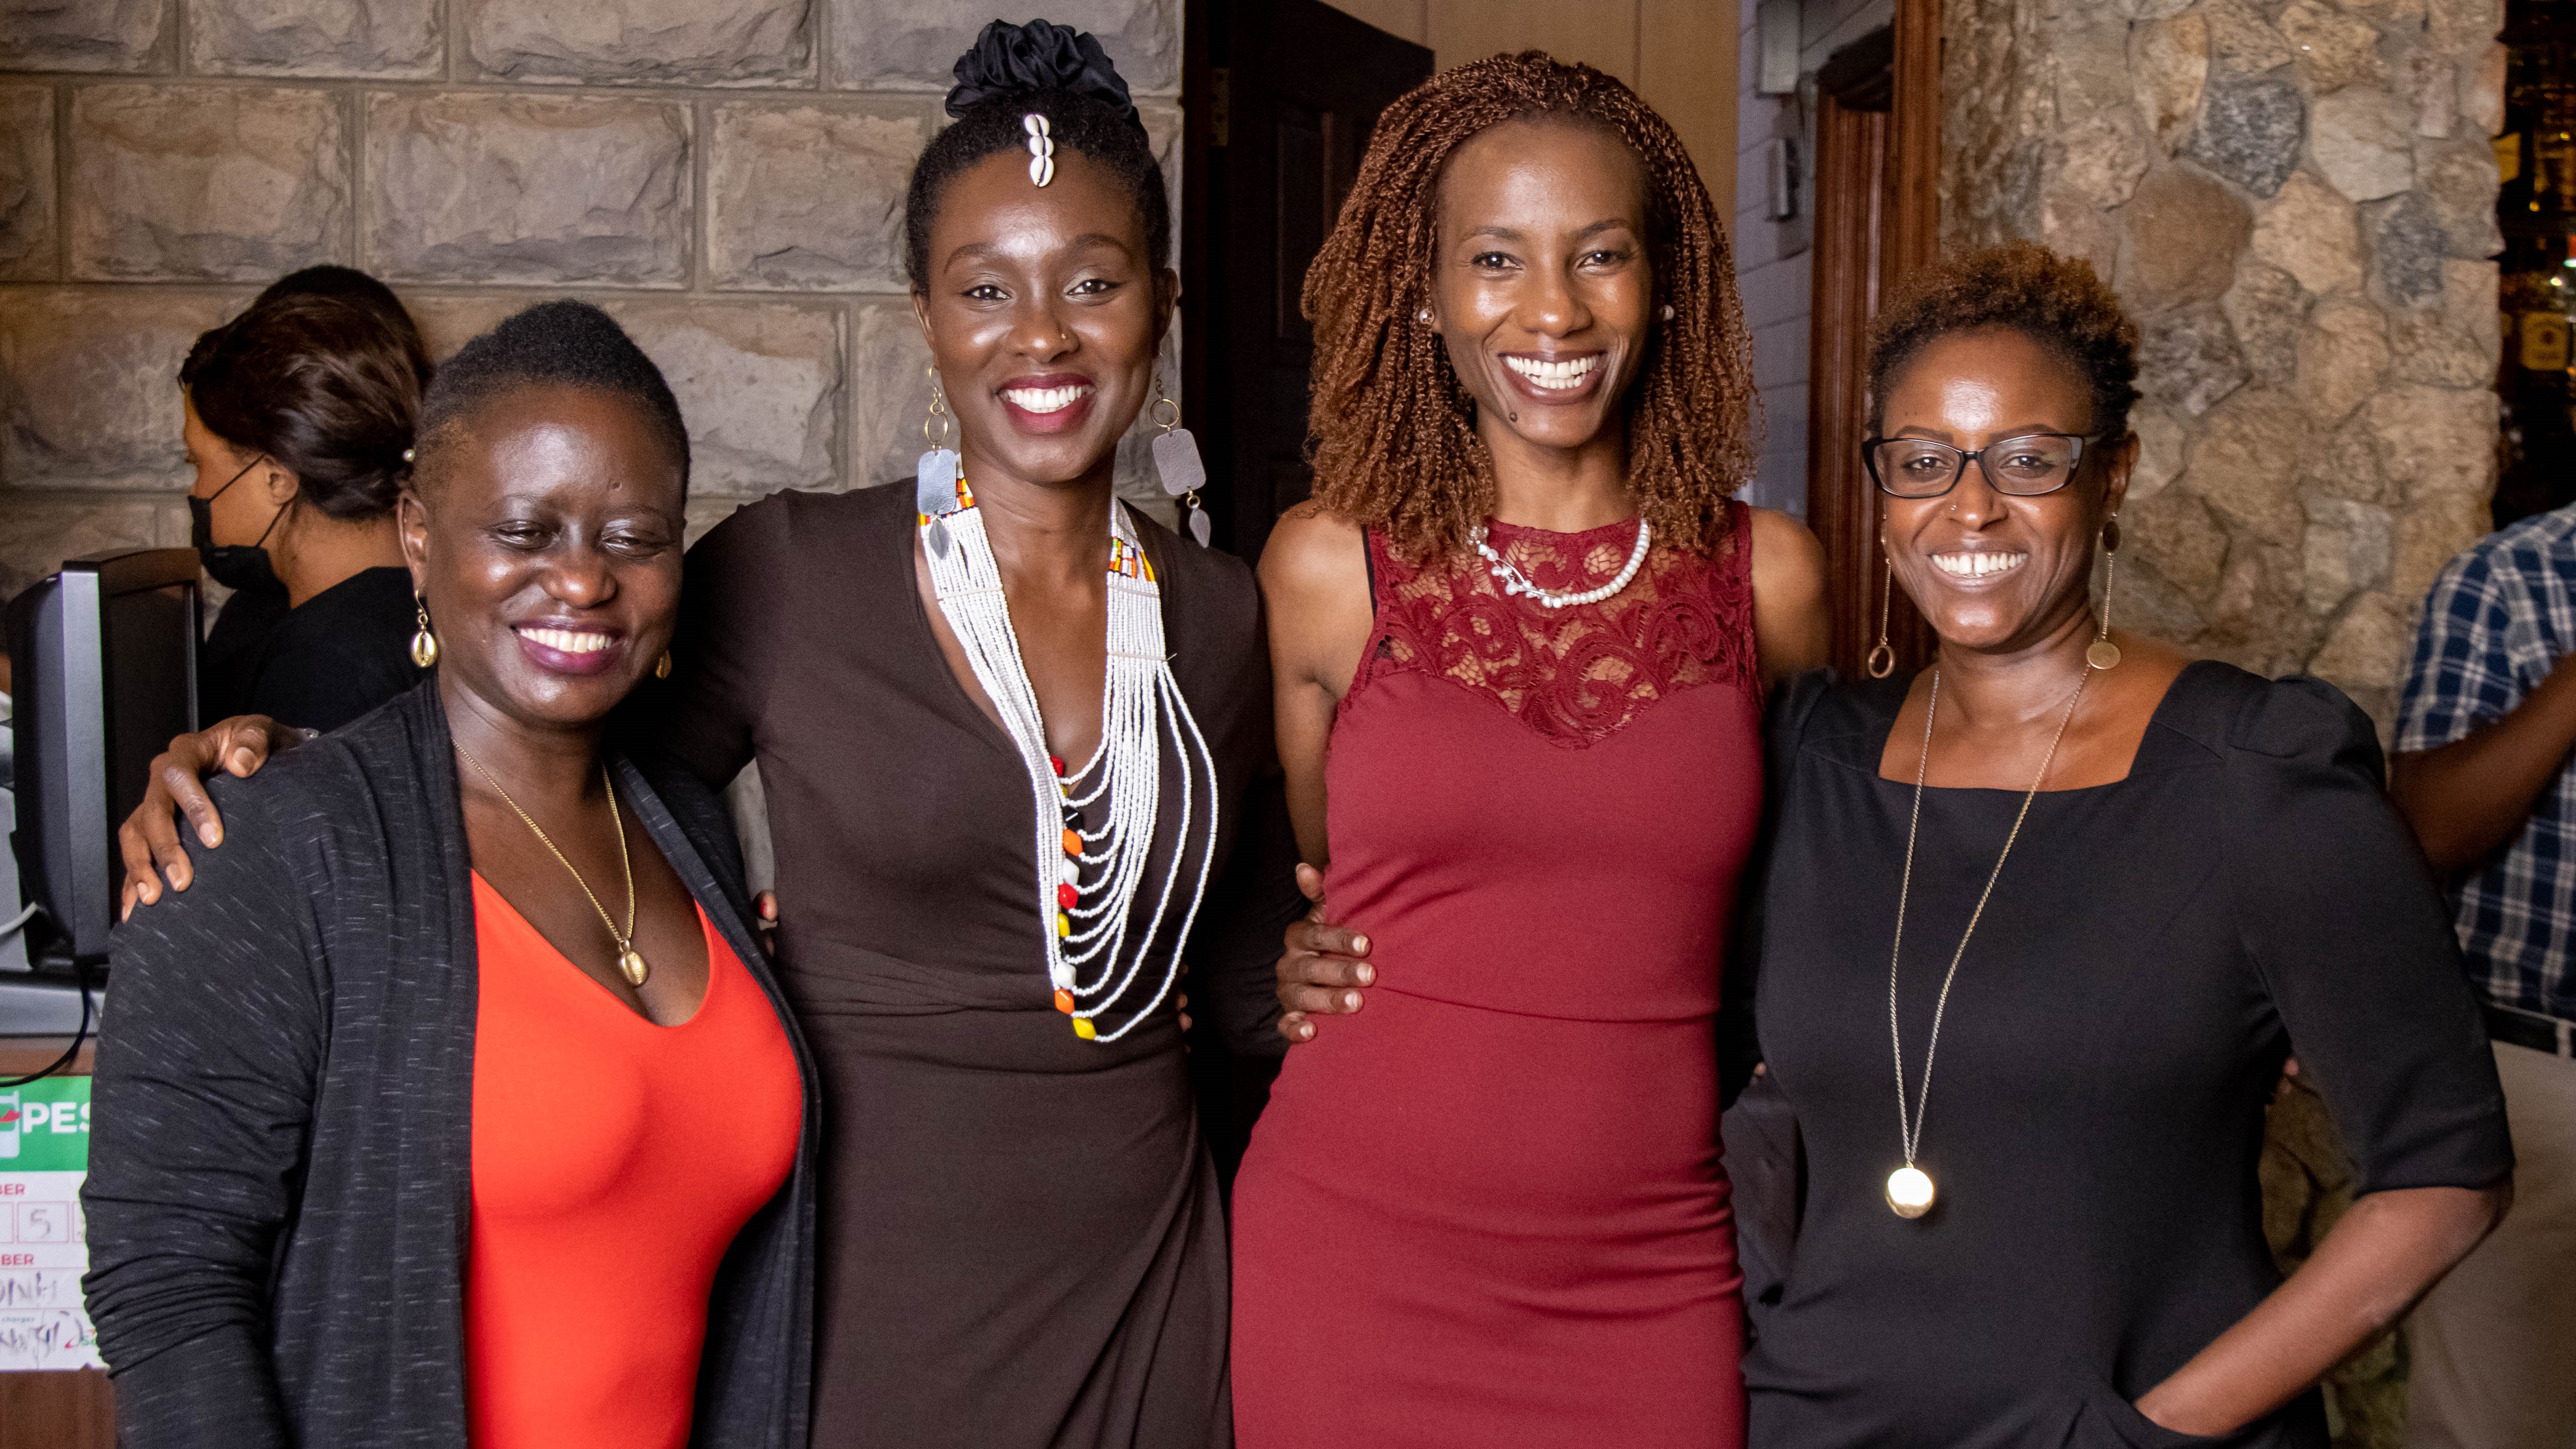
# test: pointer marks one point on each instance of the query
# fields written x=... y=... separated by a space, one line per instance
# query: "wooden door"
x=1877 y=173
x=1280 y=97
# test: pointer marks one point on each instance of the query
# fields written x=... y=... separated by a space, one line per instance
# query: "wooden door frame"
x=1878 y=159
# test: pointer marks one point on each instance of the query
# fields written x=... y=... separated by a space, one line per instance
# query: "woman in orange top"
x=455 y=1102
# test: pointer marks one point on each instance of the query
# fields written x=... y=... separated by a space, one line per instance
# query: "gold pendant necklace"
x=630 y=962
x=1910 y=1192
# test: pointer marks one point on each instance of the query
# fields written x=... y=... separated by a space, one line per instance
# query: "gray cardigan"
x=280 y=1168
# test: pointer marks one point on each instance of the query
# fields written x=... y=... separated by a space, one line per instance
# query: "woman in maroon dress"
x=1532 y=628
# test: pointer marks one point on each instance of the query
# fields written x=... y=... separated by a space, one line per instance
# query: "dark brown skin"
x=2470 y=798
x=1025 y=283
x=1542 y=255
x=555 y=508
x=2012 y=648
x=1049 y=283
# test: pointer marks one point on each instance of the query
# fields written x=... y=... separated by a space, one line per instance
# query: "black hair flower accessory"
x=1014 y=60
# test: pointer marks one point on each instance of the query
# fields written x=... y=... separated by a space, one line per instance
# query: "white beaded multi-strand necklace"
x=1088 y=879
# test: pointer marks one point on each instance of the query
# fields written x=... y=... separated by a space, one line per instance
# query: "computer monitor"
x=104 y=657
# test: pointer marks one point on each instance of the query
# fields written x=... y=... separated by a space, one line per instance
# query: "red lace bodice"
x=1573 y=675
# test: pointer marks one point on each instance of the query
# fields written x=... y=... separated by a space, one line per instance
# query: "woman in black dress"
x=299 y=416
x=2114 y=886
x=1021 y=1239
x=2129 y=884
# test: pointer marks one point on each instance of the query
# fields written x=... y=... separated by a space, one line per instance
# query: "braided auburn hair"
x=1395 y=438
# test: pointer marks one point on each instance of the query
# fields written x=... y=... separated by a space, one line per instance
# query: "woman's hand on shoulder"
x=1792 y=626
x=149 y=838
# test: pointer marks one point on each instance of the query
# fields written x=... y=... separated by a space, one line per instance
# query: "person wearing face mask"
x=228 y=657
x=455 y=1103
x=1015 y=739
x=298 y=416
x=1522 y=637
x=2041 y=925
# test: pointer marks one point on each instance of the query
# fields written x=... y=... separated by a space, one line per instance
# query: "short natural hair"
x=552 y=344
x=328 y=388
x=2053 y=300
x=1395 y=437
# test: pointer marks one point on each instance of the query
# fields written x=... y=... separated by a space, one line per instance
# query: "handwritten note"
x=44 y=1154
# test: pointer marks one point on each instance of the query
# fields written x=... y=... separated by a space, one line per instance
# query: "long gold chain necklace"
x=630 y=962
x=1909 y=1188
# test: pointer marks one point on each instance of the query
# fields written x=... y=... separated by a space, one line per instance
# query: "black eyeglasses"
x=2024 y=467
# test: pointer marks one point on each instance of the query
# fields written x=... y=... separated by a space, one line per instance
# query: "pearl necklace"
x=1515 y=582
x=1088 y=879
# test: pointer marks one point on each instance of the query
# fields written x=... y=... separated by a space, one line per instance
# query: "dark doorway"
x=1877 y=159
x=2536 y=210
x=1280 y=96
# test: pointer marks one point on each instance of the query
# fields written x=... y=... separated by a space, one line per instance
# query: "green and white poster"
x=44 y=1153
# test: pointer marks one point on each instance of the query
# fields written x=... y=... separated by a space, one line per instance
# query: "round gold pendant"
x=1909 y=1192
x=631 y=966
x=2102 y=654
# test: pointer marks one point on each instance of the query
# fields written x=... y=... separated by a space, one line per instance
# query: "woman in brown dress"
x=1022 y=1243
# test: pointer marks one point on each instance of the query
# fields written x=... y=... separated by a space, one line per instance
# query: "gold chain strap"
x=630 y=964
x=1909 y=1188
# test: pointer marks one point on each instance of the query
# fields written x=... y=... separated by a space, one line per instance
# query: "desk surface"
x=20 y=1055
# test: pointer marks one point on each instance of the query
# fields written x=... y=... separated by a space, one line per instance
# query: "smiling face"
x=1994 y=571
x=547 y=540
x=1541 y=286
x=1044 y=314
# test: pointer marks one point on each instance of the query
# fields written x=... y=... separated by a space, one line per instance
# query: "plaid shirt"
x=2497 y=621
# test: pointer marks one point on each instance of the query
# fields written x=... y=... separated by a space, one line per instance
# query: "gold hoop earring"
x=1882 y=660
x=938 y=410
x=662 y=666
x=424 y=644
x=2102 y=653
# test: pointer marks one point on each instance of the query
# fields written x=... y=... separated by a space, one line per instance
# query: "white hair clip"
x=1041 y=148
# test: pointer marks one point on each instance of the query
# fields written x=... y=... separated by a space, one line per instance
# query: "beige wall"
x=1679 y=54
x=725 y=177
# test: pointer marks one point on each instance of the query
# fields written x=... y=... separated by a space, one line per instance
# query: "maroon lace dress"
x=1491 y=1207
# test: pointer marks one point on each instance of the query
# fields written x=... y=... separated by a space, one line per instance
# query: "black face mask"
x=235 y=566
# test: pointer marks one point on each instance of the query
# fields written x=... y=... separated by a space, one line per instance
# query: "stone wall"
x=2297 y=200
x=725 y=176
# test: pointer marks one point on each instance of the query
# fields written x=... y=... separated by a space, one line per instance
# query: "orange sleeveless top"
x=614 y=1160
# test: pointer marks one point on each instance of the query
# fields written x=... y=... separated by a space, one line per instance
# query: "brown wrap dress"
x=1021 y=1237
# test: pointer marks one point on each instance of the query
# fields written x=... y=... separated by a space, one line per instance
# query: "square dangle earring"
x=1177 y=462
x=935 y=477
